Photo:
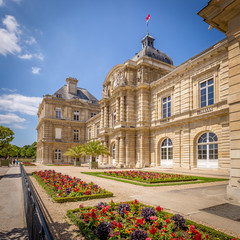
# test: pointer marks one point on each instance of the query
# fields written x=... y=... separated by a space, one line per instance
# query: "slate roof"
x=82 y=94
x=153 y=53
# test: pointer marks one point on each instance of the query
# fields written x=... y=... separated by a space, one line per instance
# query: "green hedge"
x=51 y=193
x=85 y=230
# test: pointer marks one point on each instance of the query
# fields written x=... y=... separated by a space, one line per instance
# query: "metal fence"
x=36 y=224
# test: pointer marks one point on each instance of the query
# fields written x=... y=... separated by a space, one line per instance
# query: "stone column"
x=233 y=189
x=117 y=110
x=130 y=149
x=117 y=151
x=102 y=118
x=106 y=117
x=177 y=147
x=121 y=151
x=185 y=151
x=122 y=109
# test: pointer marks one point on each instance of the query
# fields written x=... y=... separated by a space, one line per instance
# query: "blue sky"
x=43 y=42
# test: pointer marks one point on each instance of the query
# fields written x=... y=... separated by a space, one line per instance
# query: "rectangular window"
x=58 y=133
x=166 y=107
x=58 y=154
x=89 y=133
x=58 y=113
x=206 y=93
x=93 y=114
x=98 y=129
x=76 y=116
x=114 y=117
x=76 y=135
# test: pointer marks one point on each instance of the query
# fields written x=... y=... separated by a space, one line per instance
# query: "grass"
x=198 y=180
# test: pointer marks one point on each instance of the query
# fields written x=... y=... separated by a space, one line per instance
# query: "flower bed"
x=149 y=177
x=28 y=164
x=136 y=221
x=63 y=188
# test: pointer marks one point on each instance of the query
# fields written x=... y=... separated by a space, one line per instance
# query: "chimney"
x=72 y=85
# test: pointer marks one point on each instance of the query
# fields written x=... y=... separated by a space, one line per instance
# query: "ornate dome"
x=149 y=50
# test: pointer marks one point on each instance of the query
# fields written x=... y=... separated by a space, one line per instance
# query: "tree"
x=5 y=151
x=76 y=152
x=6 y=136
x=94 y=149
x=14 y=151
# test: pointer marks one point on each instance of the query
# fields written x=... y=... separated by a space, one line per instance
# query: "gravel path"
x=187 y=200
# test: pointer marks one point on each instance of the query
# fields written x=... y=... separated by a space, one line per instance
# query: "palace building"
x=154 y=114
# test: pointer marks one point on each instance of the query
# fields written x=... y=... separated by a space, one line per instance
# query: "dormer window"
x=59 y=95
x=93 y=114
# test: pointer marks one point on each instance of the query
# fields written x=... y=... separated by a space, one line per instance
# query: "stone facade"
x=153 y=114
x=225 y=16
x=62 y=121
x=133 y=124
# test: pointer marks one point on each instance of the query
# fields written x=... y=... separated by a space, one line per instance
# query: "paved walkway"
x=12 y=216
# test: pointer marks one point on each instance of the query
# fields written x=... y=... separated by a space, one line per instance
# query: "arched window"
x=113 y=154
x=207 y=150
x=58 y=154
x=166 y=153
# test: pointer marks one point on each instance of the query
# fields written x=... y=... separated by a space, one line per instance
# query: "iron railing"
x=36 y=224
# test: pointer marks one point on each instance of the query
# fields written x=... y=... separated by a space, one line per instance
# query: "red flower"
x=167 y=221
x=192 y=228
x=153 y=230
x=159 y=209
x=119 y=225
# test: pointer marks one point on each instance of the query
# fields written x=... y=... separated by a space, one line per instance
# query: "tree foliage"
x=9 y=150
x=94 y=149
x=76 y=152
x=6 y=136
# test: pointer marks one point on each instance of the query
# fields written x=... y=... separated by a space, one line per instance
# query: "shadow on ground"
x=225 y=210
x=17 y=175
x=15 y=233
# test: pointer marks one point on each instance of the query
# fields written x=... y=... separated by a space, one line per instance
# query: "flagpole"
x=147 y=29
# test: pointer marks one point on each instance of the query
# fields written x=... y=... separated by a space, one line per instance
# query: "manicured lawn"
x=152 y=178
x=63 y=188
x=136 y=221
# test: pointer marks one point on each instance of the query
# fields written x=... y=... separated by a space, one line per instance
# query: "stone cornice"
x=61 y=121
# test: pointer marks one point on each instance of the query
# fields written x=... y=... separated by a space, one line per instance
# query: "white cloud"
x=39 y=56
x=1 y=3
x=30 y=56
x=19 y=103
x=31 y=41
x=35 y=70
x=12 y=119
x=8 y=90
x=11 y=24
x=26 y=56
x=9 y=36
